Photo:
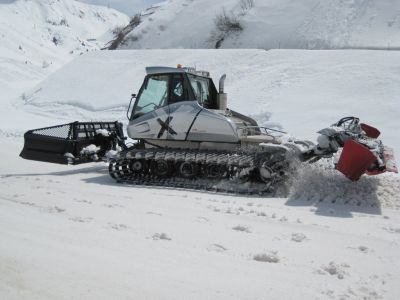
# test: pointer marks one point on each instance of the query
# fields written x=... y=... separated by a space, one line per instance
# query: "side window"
x=205 y=90
x=201 y=89
x=178 y=92
x=195 y=87
x=154 y=94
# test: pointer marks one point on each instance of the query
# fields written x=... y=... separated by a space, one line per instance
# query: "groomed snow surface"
x=72 y=232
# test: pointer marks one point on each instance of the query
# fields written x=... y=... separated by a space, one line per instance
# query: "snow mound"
x=335 y=269
x=270 y=257
x=318 y=183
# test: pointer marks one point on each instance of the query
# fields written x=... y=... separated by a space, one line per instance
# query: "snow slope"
x=298 y=91
x=269 y=24
x=37 y=37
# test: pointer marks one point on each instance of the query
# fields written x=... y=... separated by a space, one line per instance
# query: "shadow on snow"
x=326 y=190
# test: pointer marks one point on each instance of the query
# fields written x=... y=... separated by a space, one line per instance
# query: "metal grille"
x=77 y=130
x=88 y=130
x=61 y=131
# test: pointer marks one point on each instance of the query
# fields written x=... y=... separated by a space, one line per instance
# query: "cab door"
x=182 y=109
x=149 y=119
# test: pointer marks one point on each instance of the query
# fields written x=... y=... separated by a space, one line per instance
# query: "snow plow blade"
x=67 y=143
x=370 y=131
x=355 y=160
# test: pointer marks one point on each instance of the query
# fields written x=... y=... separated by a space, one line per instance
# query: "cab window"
x=178 y=91
x=154 y=94
x=201 y=89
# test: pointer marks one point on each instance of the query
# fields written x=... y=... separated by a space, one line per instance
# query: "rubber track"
x=119 y=169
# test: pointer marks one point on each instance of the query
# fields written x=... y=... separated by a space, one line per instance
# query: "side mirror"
x=129 y=107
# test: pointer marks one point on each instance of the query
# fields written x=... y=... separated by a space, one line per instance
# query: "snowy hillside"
x=268 y=24
x=298 y=91
x=39 y=36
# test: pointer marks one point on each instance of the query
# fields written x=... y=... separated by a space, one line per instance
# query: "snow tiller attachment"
x=362 y=152
x=72 y=143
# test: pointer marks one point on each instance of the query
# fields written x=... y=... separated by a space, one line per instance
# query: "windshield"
x=153 y=95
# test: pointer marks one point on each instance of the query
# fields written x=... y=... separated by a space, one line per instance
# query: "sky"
x=129 y=7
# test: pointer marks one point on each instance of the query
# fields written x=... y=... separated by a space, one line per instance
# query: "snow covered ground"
x=72 y=232
x=269 y=24
x=38 y=37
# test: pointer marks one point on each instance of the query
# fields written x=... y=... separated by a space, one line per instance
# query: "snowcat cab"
x=176 y=105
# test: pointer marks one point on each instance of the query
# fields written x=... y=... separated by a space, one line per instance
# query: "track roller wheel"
x=187 y=169
x=138 y=166
x=215 y=171
x=161 y=168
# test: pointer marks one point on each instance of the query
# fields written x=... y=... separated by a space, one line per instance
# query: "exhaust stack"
x=222 y=97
